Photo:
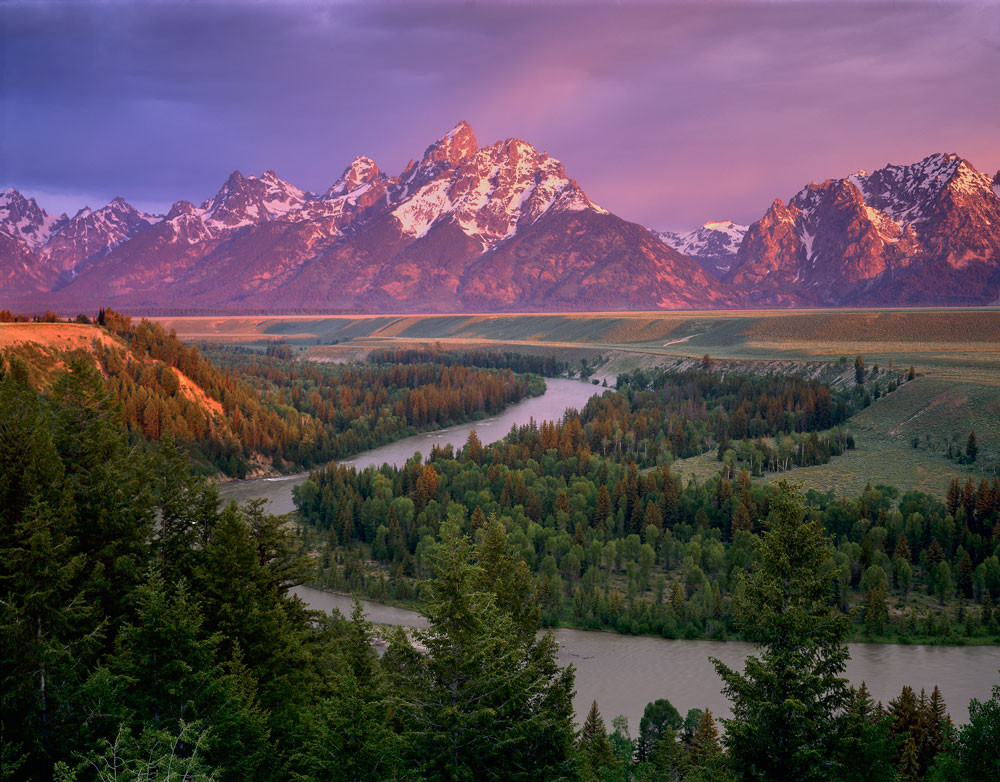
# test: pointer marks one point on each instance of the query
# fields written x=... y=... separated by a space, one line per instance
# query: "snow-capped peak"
x=715 y=239
x=907 y=193
x=250 y=200
x=454 y=147
x=92 y=233
x=25 y=220
x=361 y=171
x=489 y=193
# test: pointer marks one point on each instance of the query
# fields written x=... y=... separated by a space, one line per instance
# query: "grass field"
x=956 y=352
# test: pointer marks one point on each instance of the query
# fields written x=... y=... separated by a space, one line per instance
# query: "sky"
x=669 y=114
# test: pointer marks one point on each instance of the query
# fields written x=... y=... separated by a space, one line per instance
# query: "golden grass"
x=63 y=336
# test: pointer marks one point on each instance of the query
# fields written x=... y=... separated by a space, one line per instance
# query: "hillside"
x=245 y=412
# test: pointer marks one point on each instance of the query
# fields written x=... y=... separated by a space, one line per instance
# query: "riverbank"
x=559 y=394
x=730 y=637
x=625 y=672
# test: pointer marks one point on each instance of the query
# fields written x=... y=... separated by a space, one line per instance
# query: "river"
x=623 y=673
x=559 y=395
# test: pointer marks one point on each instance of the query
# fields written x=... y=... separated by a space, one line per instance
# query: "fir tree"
x=596 y=752
x=971 y=447
x=483 y=700
x=787 y=702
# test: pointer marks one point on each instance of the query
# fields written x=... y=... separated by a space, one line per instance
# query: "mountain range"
x=504 y=228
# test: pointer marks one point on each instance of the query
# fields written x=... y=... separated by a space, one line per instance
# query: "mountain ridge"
x=503 y=227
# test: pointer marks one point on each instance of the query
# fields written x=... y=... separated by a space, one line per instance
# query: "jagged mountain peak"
x=250 y=200
x=879 y=237
x=93 y=233
x=713 y=245
x=908 y=193
x=361 y=171
x=491 y=193
x=457 y=145
x=22 y=218
x=180 y=208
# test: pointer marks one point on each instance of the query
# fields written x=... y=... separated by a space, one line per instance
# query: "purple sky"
x=668 y=114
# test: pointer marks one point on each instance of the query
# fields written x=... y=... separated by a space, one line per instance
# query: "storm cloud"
x=668 y=114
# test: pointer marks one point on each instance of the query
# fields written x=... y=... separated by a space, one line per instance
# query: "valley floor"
x=955 y=354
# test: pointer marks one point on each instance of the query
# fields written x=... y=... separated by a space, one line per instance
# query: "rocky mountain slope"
x=714 y=245
x=500 y=227
x=503 y=228
x=927 y=233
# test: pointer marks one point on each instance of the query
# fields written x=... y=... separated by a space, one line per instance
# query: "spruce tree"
x=346 y=733
x=971 y=447
x=787 y=703
x=706 y=760
x=596 y=752
x=659 y=719
x=868 y=753
x=484 y=700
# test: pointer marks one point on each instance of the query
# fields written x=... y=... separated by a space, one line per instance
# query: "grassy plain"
x=956 y=354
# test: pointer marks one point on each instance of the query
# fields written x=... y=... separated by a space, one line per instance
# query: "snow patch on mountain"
x=491 y=193
x=716 y=239
x=907 y=193
x=25 y=220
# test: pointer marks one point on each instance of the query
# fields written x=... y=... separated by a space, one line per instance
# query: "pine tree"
x=909 y=764
x=482 y=701
x=741 y=519
x=504 y=574
x=347 y=734
x=902 y=548
x=953 y=497
x=867 y=753
x=603 y=508
x=705 y=747
x=876 y=610
x=971 y=448
x=659 y=719
x=167 y=671
x=49 y=628
x=669 y=499
x=595 y=748
x=706 y=760
x=786 y=703
x=963 y=579
x=978 y=741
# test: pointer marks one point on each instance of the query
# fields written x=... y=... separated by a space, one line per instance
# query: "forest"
x=619 y=543
x=149 y=633
x=238 y=410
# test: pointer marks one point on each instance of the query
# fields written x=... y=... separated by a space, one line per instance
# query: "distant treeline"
x=658 y=416
x=549 y=366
